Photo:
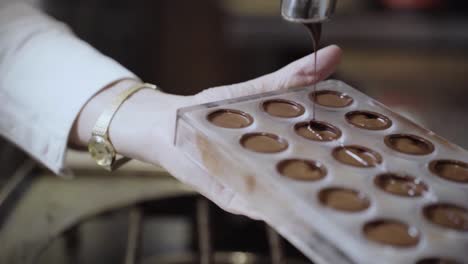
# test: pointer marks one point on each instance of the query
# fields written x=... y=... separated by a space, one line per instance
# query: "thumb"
x=298 y=73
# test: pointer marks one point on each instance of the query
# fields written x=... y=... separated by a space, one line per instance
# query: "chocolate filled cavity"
x=357 y=156
x=436 y=260
x=229 y=118
x=447 y=215
x=343 y=199
x=451 y=170
x=283 y=108
x=368 y=120
x=263 y=142
x=303 y=170
x=409 y=144
x=317 y=131
x=331 y=98
x=401 y=185
x=391 y=232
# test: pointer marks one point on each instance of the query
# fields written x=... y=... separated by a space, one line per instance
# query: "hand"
x=144 y=126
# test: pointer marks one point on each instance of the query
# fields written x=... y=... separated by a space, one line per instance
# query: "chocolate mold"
x=289 y=180
x=283 y=108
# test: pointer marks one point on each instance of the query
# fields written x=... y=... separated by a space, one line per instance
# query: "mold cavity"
x=331 y=98
x=357 y=156
x=391 y=232
x=451 y=170
x=303 y=170
x=447 y=215
x=229 y=118
x=283 y=108
x=317 y=131
x=368 y=120
x=263 y=142
x=409 y=144
x=343 y=199
x=401 y=185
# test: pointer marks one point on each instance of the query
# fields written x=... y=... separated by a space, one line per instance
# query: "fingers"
x=302 y=72
x=297 y=74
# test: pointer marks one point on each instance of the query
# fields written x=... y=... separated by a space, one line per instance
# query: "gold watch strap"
x=101 y=128
x=102 y=124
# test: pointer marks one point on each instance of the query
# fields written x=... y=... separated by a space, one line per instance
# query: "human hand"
x=144 y=126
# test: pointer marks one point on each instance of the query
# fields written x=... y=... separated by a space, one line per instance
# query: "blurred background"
x=409 y=54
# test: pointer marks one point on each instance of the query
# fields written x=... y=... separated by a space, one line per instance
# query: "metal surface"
x=219 y=258
x=307 y=11
x=276 y=248
x=53 y=205
x=204 y=236
x=13 y=185
x=134 y=230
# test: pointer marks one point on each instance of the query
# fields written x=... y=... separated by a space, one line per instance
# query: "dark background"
x=409 y=54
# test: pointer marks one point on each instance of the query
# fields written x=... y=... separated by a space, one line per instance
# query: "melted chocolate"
x=317 y=131
x=229 y=118
x=315 y=30
x=451 y=170
x=368 y=120
x=400 y=185
x=409 y=144
x=447 y=215
x=283 y=108
x=392 y=233
x=357 y=156
x=263 y=142
x=304 y=170
x=331 y=98
x=343 y=199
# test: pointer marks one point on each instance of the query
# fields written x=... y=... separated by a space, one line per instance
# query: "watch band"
x=100 y=133
x=102 y=124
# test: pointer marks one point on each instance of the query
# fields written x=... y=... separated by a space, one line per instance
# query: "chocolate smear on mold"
x=368 y=120
x=357 y=156
x=263 y=142
x=317 y=131
x=302 y=170
x=447 y=215
x=343 y=199
x=283 y=108
x=400 y=185
x=409 y=144
x=229 y=118
x=391 y=232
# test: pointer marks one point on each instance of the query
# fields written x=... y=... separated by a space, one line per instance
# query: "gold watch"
x=99 y=146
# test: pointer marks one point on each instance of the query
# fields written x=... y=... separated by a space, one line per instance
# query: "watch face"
x=101 y=150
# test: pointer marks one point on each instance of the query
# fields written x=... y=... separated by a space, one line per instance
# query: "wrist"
x=83 y=126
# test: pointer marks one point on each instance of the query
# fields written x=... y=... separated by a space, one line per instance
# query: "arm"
x=53 y=87
x=46 y=76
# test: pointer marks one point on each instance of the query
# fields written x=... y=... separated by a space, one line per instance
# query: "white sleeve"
x=46 y=76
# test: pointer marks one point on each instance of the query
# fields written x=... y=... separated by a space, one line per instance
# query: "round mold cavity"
x=229 y=118
x=451 y=170
x=329 y=98
x=438 y=260
x=263 y=142
x=344 y=199
x=301 y=169
x=447 y=215
x=400 y=185
x=391 y=232
x=283 y=108
x=368 y=120
x=317 y=131
x=357 y=156
x=409 y=144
